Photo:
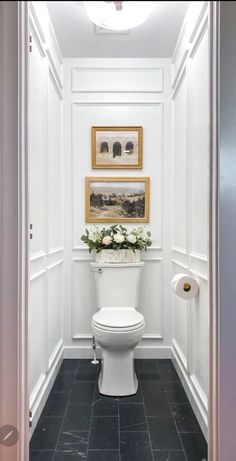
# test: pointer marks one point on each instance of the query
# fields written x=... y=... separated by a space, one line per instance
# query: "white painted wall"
x=190 y=183
x=45 y=208
x=117 y=92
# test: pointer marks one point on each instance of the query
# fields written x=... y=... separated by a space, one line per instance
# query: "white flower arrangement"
x=117 y=237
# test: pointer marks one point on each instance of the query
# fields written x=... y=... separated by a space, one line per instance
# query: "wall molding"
x=55 y=250
x=199 y=274
x=38 y=255
x=37 y=275
x=179 y=250
x=36 y=22
x=198 y=256
x=77 y=88
x=199 y=37
x=181 y=64
x=90 y=336
x=116 y=103
x=81 y=352
x=54 y=69
x=55 y=354
x=180 y=354
x=40 y=397
x=192 y=390
x=83 y=248
x=55 y=42
x=178 y=263
x=56 y=264
x=37 y=36
x=54 y=80
x=198 y=22
x=177 y=84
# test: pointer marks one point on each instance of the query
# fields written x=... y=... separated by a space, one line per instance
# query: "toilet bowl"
x=117 y=326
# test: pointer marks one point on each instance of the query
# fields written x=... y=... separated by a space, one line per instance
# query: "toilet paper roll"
x=185 y=286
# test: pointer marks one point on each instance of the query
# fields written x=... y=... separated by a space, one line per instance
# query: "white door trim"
x=13 y=214
x=213 y=416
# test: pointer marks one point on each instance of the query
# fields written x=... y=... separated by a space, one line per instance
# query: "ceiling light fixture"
x=119 y=15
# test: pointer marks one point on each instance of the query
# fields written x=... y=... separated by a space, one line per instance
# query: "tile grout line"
x=92 y=408
x=169 y=405
x=63 y=418
x=149 y=435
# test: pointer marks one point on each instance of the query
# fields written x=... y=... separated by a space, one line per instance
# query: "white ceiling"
x=155 y=38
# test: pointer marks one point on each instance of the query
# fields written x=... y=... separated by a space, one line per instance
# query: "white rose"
x=131 y=238
x=119 y=238
x=107 y=240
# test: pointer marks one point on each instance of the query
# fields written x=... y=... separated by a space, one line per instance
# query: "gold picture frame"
x=117 y=147
x=116 y=199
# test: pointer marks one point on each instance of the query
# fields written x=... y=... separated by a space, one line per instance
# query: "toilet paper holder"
x=187 y=287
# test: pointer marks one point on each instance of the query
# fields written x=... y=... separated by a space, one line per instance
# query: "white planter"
x=117 y=256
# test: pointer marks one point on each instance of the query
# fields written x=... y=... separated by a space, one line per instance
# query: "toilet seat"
x=118 y=319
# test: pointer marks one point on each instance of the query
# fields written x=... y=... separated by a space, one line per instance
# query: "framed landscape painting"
x=117 y=199
x=117 y=147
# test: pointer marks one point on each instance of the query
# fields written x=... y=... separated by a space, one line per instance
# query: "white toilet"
x=117 y=326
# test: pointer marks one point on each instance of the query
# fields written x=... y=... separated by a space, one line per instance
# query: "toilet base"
x=117 y=376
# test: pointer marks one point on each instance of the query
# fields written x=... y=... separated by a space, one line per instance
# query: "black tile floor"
x=156 y=424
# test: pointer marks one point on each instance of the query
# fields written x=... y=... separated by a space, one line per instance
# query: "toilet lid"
x=118 y=317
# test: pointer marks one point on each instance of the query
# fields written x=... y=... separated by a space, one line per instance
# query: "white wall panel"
x=199 y=143
x=37 y=144
x=83 y=298
x=127 y=80
x=147 y=116
x=116 y=92
x=54 y=308
x=54 y=166
x=45 y=196
x=180 y=321
x=179 y=166
x=151 y=298
x=200 y=329
x=36 y=331
x=190 y=183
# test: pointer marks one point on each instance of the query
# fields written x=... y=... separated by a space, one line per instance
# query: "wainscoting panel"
x=36 y=329
x=83 y=298
x=190 y=220
x=113 y=80
x=46 y=209
x=199 y=143
x=117 y=92
x=179 y=167
x=37 y=95
x=54 y=309
x=54 y=165
x=151 y=298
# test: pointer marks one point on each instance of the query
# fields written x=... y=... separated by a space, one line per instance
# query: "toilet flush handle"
x=97 y=269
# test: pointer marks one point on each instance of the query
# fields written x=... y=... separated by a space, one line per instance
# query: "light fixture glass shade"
x=106 y=15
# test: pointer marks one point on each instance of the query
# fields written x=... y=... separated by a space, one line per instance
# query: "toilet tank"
x=117 y=285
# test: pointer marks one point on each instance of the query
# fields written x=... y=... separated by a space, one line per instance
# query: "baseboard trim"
x=76 y=352
x=45 y=389
x=198 y=403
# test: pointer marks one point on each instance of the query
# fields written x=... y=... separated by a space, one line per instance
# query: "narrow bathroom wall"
x=117 y=92
x=45 y=208
x=190 y=183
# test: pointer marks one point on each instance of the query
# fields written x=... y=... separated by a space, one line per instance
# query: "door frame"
x=14 y=232
x=14 y=408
